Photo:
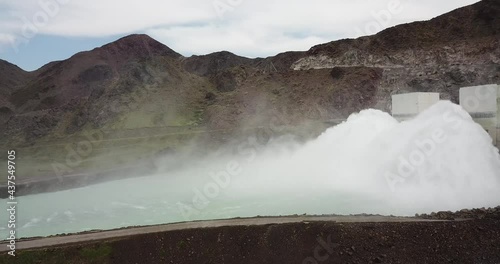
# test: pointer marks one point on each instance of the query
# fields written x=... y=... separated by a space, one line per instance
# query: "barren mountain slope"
x=139 y=89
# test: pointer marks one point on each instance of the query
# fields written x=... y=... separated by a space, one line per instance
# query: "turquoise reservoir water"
x=441 y=160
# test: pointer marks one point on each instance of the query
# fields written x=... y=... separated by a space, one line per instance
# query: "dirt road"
x=297 y=239
x=103 y=235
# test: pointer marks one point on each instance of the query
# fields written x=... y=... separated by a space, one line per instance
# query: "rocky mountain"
x=137 y=83
x=92 y=88
x=12 y=78
x=448 y=52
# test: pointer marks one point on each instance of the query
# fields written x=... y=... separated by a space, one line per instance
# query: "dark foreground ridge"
x=299 y=239
x=480 y=213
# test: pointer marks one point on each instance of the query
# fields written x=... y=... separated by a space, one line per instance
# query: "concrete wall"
x=483 y=104
x=406 y=106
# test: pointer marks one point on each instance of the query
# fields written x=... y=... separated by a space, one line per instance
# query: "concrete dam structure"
x=481 y=102
x=408 y=106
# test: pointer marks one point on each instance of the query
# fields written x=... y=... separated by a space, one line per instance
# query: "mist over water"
x=440 y=160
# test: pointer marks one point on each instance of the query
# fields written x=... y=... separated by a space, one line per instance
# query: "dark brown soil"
x=478 y=213
x=473 y=241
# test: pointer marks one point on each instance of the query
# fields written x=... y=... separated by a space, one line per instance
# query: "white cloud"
x=247 y=27
x=5 y=41
x=207 y=39
x=6 y=38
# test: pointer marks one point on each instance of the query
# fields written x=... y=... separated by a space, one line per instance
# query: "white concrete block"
x=407 y=106
x=479 y=99
x=483 y=104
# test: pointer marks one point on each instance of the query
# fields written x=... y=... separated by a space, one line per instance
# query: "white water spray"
x=441 y=160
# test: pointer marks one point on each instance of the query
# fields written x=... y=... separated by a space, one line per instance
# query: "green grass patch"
x=96 y=254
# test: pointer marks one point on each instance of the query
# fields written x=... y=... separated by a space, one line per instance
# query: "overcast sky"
x=35 y=32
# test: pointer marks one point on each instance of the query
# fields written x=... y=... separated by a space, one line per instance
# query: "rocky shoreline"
x=478 y=213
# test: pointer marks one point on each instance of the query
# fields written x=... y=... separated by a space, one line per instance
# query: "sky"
x=36 y=32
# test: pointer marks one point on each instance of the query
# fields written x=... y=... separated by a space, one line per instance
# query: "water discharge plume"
x=440 y=160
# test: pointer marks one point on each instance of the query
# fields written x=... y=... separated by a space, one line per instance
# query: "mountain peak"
x=214 y=62
x=139 y=45
x=136 y=39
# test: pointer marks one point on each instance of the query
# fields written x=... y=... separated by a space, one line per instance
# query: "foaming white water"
x=441 y=160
